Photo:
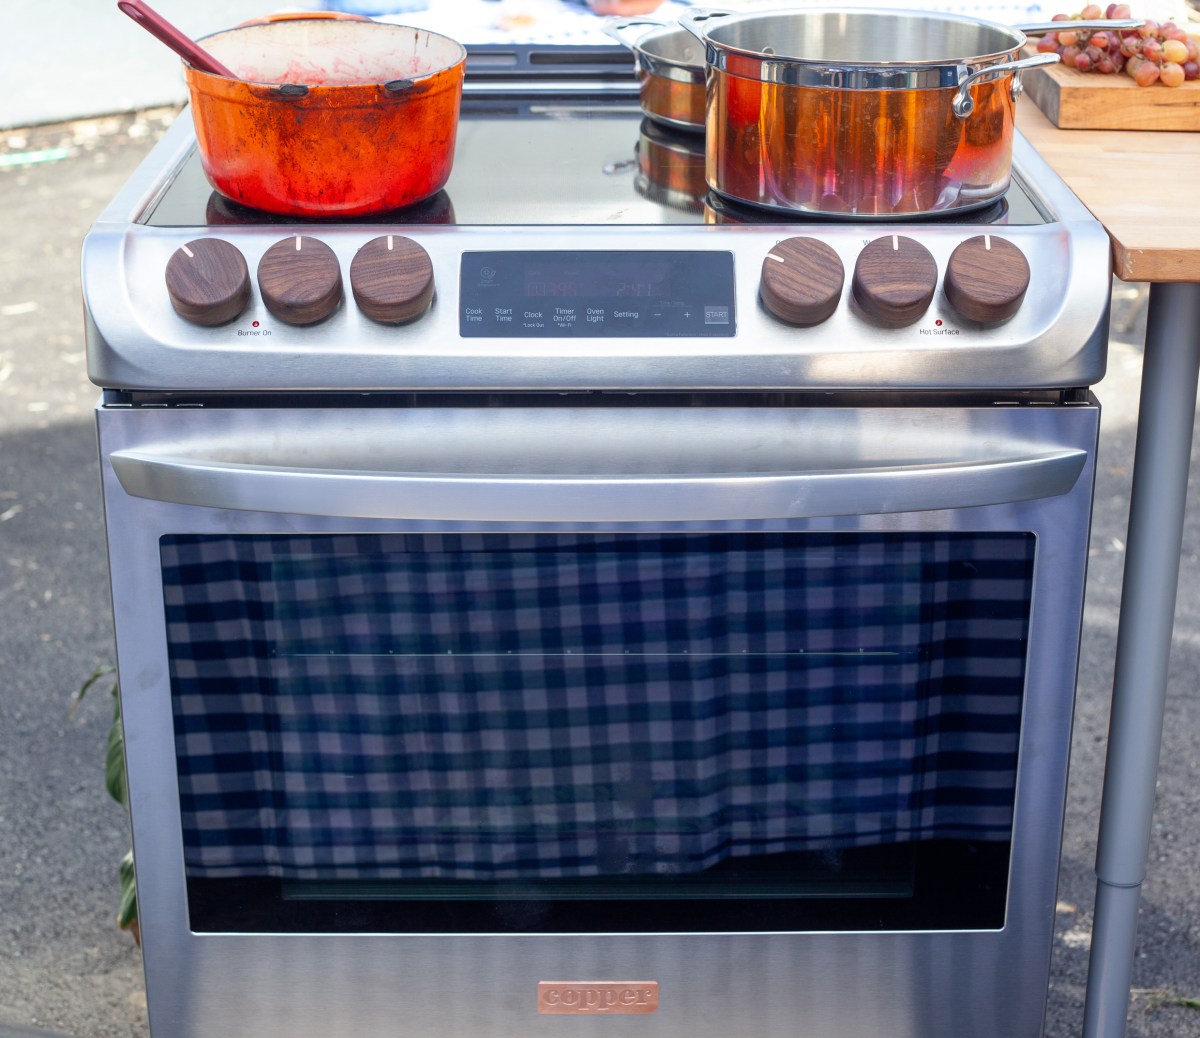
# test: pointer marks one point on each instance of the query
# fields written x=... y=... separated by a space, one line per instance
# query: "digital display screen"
x=597 y=294
x=589 y=279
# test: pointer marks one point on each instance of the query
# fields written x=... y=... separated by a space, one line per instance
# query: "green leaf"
x=96 y=675
x=127 y=913
x=114 y=760
x=114 y=781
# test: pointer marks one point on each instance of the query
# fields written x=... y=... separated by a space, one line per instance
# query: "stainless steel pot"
x=862 y=113
x=671 y=167
x=671 y=70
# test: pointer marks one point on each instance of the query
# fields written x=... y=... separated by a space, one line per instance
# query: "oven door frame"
x=241 y=470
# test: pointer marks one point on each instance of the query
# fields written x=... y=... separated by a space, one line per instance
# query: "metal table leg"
x=1166 y=417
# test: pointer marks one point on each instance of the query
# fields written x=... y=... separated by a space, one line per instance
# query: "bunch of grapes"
x=1152 y=53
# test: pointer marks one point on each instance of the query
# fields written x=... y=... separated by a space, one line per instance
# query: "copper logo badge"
x=597 y=997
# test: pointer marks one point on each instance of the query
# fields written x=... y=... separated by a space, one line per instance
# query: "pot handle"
x=964 y=103
x=1067 y=25
x=695 y=19
x=617 y=27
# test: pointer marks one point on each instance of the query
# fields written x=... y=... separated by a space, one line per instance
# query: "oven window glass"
x=572 y=732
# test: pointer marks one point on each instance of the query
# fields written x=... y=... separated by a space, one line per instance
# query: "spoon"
x=155 y=24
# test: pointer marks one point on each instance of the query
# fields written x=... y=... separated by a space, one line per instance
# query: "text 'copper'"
x=597 y=996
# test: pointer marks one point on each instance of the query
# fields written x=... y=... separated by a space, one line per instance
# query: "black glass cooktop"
x=551 y=163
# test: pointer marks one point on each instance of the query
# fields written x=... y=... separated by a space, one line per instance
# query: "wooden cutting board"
x=1074 y=100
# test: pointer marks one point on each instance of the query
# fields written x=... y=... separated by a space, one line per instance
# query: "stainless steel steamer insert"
x=584 y=596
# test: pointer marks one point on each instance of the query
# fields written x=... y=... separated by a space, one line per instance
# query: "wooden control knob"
x=300 y=280
x=802 y=281
x=392 y=279
x=986 y=279
x=894 y=280
x=208 y=282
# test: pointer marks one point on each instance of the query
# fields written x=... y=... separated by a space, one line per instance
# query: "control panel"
x=805 y=305
x=555 y=294
x=604 y=294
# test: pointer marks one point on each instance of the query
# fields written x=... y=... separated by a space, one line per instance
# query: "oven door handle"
x=862 y=489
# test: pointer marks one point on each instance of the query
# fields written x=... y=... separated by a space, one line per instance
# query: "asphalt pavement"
x=64 y=965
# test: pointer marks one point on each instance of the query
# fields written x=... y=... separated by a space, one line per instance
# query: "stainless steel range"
x=580 y=597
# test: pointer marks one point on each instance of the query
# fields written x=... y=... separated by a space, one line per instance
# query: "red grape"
x=1151 y=53
x=1174 y=51
x=1131 y=45
x=1146 y=74
x=1171 y=74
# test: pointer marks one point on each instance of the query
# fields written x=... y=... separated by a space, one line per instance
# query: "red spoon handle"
x=155 y=24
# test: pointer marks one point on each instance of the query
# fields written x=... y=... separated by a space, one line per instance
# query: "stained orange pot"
x=329 y=117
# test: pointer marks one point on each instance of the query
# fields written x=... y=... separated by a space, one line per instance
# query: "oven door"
x=427 y=706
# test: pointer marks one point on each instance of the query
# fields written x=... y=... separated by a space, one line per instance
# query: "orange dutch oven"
x=332 y=117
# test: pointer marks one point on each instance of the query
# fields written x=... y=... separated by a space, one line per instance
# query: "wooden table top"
x=1143 y=186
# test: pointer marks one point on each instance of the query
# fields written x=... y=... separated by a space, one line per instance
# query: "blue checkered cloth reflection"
x=496 y=706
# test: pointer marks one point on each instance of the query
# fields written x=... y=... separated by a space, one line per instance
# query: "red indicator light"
x=937 y=322
x=254 y=324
